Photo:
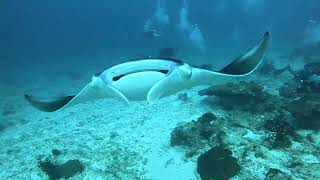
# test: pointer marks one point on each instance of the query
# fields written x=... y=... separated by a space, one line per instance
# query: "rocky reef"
x=304 y=82
x=205 y=133
x=306 y=111
x=303 y=94
x=246 y=96
x=195 y=135
x=268 y=68
x=274 y=174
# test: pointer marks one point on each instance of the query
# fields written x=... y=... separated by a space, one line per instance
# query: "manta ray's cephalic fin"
x=117 y=94
x=173 y=81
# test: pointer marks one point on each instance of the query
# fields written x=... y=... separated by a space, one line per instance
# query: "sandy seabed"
x=115 y=141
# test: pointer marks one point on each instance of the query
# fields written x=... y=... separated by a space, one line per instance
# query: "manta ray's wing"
x=173 y=81
x=249 y=61
x=48 y=104
x=240 y=67
x=117 y=94
x=184 y=76
x=96 y=89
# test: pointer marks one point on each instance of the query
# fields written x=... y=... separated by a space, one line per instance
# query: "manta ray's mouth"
x=116 y=78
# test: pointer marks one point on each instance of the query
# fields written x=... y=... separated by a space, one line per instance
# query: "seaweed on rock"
x=246 y=96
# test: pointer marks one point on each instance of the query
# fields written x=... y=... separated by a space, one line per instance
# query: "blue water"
x=36 y=31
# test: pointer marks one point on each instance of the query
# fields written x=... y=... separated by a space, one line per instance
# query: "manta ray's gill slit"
x=164 y=71
x=116 y=78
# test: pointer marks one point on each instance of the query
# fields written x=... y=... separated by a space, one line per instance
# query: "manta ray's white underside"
x=137 y=85
x=151 y=79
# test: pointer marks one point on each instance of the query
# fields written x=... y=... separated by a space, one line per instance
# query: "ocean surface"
x=264 y=125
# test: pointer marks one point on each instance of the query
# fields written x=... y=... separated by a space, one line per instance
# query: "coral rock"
x=57 y=171
x=281 y=129
x=276 y=174
x=217 y=163
x=195 y=134
x=306 y=111
x=247 y=96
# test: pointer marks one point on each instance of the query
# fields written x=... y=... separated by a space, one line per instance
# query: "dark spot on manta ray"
x=116 y=78
x=164 y=71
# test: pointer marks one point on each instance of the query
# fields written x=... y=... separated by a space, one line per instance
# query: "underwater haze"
x=42 y=33
x=264 y=125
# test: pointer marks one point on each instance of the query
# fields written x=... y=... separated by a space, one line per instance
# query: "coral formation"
x=306 y=111
x=289 y=90
x=281 y=130
x=217 y=163
x=246 y=96
x=304 y=82
x=57 y=171
x=195 y=134
x=276 y=174
x=268 y=68
x=307 y=171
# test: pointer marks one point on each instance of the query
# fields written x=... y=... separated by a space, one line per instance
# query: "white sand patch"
x=91 y=132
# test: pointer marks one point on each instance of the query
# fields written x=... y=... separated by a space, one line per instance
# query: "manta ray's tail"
x=248 y=62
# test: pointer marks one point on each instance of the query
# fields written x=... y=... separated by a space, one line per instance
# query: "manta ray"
x=152 y=79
